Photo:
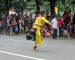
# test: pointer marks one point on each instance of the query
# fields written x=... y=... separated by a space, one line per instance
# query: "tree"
x=8 y=5
x=37 y=5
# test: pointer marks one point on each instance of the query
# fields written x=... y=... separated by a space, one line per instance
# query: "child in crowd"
x=69 y=30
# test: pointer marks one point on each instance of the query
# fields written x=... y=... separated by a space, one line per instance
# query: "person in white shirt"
x=54 y=23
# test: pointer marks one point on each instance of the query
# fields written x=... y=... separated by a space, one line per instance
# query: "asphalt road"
x=18 y=48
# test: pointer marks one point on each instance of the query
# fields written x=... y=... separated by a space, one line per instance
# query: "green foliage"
x=43 y=4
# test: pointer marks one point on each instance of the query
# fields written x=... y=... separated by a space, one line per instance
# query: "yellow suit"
x=39 y=22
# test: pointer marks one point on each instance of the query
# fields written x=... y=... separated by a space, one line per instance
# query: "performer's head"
x=43 y=14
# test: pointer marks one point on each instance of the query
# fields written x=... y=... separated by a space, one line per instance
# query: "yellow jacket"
x=39 y=22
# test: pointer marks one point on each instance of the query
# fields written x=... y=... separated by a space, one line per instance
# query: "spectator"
x=69 y=30
x=73 y=20
x=55 y=27
x=8 y=26
x=60 y=26
x=0 y=26
x=66 y=18
x=13 y=25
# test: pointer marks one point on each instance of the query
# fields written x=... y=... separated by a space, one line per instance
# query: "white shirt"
x=54 y=23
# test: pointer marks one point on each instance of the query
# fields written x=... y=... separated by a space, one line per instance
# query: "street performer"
x=37 y=26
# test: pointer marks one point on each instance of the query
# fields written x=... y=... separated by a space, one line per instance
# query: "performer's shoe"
x=35 y=48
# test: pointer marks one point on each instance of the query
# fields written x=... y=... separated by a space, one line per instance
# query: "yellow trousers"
x=38 y=40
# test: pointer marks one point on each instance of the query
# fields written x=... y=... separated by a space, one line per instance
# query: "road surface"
x=18 y=48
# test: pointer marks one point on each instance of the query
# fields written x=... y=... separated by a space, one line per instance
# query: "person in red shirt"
x=66 y=18
x=60 y=26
